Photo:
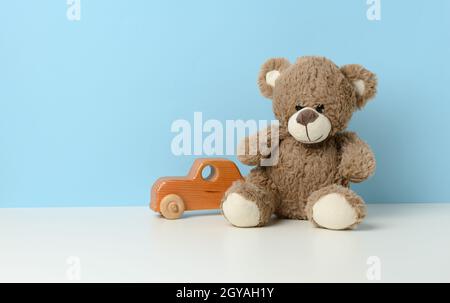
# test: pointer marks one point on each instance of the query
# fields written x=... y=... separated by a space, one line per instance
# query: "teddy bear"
x=313 y=100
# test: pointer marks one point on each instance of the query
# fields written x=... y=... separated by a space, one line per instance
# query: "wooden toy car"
x=171 y=196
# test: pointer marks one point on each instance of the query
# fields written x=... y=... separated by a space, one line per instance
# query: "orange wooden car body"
x=171 y=196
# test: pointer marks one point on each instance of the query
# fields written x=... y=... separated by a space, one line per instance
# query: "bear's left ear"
x=270 y=71
x=364 y=82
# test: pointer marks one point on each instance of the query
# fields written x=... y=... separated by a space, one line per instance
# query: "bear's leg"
x=251 y=202
x=335 y=207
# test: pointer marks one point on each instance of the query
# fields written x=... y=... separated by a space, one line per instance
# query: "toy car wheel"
x=172 y=207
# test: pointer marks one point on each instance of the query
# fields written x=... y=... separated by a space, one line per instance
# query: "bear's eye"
x=320 y=108
x=298 y=107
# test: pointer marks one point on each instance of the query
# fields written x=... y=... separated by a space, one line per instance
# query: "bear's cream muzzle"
x=309 y=126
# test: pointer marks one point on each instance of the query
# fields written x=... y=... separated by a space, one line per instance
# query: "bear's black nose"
x=307 y=116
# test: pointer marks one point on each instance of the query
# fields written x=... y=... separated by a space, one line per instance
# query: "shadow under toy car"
x=171 y=196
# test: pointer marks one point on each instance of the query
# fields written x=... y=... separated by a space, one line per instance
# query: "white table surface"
x=133 y=244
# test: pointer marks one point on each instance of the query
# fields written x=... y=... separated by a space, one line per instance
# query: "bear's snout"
x=307 y=116
x=309 y=126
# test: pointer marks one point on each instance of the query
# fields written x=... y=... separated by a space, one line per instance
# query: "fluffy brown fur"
x=307 y=172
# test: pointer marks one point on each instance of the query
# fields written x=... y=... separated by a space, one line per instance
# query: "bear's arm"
x=357 y=159
x=254 y=148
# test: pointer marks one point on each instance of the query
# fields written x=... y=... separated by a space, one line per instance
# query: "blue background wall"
x=86 y=107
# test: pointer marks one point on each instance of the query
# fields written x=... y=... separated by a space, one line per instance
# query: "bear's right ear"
x=364 y=82
x=270 y=71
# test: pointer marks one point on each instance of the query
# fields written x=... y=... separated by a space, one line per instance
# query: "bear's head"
x=314 y=99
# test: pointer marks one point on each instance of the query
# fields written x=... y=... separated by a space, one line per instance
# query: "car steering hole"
x=208 y=173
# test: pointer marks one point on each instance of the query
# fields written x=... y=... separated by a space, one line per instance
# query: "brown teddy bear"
x=313 y=100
